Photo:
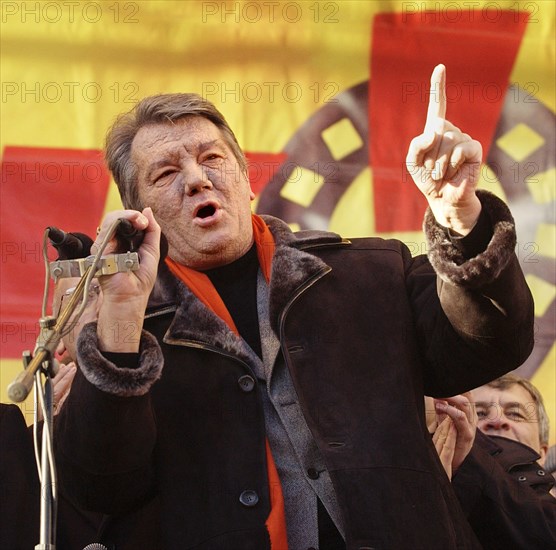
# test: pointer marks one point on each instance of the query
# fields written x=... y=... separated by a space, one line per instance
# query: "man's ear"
x=543 y=450
x=252 y=195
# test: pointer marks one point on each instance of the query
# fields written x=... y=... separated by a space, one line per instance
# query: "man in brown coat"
x=268 y=385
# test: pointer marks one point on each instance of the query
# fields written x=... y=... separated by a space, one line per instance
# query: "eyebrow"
x=507 y=405
x=208 y=144
x=513 y=404
x=169 y=159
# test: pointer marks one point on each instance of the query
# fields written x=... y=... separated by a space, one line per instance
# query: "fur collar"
x=291 y=268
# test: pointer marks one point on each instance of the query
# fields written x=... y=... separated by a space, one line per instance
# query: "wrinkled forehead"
x=184 y=134
x=502 y=397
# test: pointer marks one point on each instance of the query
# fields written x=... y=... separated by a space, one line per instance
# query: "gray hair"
x=157 y=109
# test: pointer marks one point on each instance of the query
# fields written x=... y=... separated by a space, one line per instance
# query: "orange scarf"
x=202 y=287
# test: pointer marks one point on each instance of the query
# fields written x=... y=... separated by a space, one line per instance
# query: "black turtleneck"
x=236 y=283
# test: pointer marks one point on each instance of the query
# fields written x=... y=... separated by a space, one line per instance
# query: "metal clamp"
x=113 y=263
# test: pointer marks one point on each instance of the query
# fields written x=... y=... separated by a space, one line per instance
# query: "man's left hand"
x=445 y=164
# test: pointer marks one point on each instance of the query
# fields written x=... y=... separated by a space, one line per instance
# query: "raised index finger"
x=437 y=98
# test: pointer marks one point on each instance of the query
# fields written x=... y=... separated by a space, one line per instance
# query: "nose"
x=195 y=179
x=495 y=423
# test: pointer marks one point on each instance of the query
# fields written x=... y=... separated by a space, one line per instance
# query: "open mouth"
x=206 y=211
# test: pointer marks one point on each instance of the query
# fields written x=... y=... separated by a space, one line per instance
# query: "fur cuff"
x=450 y=264
x=107 y=377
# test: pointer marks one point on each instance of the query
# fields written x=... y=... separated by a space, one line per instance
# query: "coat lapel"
x=194 y=323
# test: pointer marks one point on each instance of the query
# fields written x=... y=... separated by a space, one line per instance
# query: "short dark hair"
x=157 y=109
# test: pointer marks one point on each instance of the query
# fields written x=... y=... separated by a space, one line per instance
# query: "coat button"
x=249 y=498
x=246 y=383
x=312 y=473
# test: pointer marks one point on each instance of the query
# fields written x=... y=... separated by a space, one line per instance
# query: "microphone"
x=70 y=245
x=129 y=238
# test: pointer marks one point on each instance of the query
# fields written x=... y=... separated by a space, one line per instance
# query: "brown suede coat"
x=365 y=331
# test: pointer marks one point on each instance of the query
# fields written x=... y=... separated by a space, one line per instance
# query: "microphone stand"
x=43 y=362
x=49 y=501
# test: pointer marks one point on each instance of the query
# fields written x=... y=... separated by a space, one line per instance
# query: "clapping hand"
x=454 y=430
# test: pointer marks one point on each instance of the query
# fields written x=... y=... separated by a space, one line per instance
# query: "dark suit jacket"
x=20 y=502
x=19 y=484
x=505 y=494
